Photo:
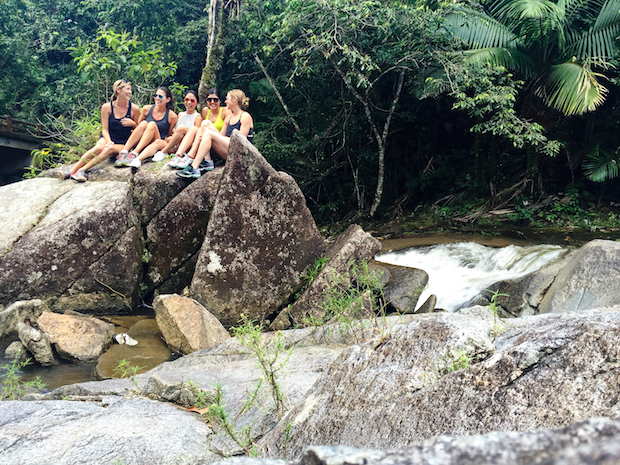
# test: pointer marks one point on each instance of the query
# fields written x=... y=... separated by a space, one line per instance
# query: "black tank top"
x=231 y=127
x=163 y=125
x=119 y=133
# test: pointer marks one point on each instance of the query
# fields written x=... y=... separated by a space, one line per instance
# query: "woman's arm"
x=246 y=123
x=144 y=112
x=106 y=110
x=205 y=113
x=225 y=127
x=198 y=121
x=172 y=119
x=133 y=121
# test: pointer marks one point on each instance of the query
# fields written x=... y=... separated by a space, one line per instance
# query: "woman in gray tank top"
x=156 y=123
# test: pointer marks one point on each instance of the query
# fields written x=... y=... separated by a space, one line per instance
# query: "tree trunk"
x=214 y=48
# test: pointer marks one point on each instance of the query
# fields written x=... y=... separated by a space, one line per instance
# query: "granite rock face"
x=76 y=337
x=117 y=430
x=352 y=245
x=588 y=280
x=176 y=233
x=260 y=238
x=186 y=325
x=89 y=232
x=453 y=374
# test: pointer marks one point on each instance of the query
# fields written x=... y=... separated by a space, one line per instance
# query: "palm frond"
x=601 y=165
x=571 y=88
x=479 y=30
x=599 y=42
x=509 y=58
x=515 y=11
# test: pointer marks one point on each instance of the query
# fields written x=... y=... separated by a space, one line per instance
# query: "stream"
x=459 y=268
x=460 y=271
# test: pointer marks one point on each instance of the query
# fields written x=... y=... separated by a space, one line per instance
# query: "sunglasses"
x=160 y=97
x=213 y=99
x=190 y=100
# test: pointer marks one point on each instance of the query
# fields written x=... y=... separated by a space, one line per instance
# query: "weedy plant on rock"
x=13 y=388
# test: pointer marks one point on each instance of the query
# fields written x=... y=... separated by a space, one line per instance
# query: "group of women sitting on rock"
x=158 y=132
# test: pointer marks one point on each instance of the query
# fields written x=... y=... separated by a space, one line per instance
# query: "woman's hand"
x=128 y=122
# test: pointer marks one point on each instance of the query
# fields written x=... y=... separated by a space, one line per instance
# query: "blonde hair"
x=244 y=102
x=118 y=85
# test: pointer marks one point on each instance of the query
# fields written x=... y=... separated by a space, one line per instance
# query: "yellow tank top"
x=219 y=122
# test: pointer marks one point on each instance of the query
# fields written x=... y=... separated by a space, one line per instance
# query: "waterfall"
x=459 y=272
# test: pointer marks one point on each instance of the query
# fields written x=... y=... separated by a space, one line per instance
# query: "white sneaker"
x=135 y=163
x=185 y=162
x=159 y=156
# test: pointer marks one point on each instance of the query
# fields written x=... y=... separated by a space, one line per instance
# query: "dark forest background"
x=377 y=109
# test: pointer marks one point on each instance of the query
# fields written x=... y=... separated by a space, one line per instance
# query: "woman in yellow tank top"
x=213 y=111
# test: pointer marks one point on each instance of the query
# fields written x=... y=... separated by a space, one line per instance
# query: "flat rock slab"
x=118 y=430
x=595 y=442
x=22 y=204
x=453 y=374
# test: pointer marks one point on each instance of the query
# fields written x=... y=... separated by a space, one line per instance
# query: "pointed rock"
x=260 y=238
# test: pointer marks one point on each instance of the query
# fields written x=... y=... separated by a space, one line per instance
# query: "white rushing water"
x=459 y=272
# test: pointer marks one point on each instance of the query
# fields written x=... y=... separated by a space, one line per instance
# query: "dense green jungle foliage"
x=376 y=108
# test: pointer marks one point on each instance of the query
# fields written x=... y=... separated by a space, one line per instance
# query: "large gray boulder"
x=19 y=312
x=117 y=430
x=37 y=343
x=595 y=442
x=352 y=245
x=76 y=337
x=589 y=280
x=453 y=374
x=260 y=238
x=22 y=204
x=84 y=254
x=176 y=233
x=186 y=325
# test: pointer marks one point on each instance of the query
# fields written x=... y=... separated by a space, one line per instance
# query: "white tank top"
x=186 y=120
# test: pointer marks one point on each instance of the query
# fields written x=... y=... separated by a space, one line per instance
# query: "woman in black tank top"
x=118 y=118
x=156 y=123
x=237 y=102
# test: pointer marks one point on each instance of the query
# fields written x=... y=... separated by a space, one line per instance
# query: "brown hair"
x=244 y=102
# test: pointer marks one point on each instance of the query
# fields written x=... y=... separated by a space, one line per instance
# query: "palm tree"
x=556 y=46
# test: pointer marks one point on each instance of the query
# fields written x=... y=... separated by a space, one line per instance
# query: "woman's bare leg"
x=150 y=150
x=151 y=133
x=89 y=155
x=211 y=140
x=135 y=136
x=105 y=153
x=188 y=140
x=177 y=136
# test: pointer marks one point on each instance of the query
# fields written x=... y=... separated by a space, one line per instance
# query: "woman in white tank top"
x=183 y=135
